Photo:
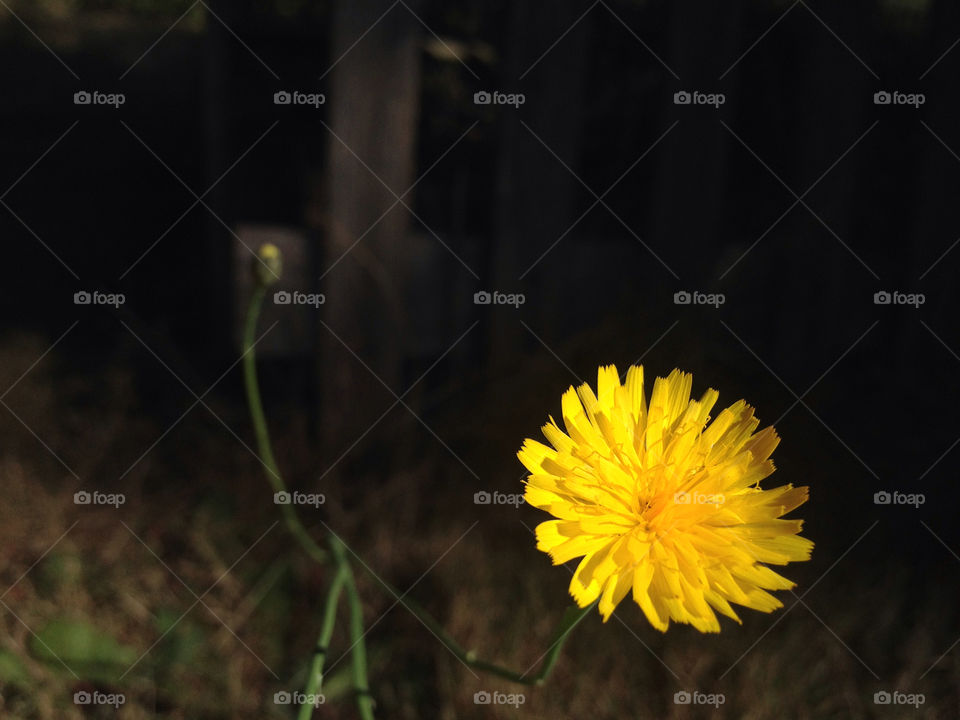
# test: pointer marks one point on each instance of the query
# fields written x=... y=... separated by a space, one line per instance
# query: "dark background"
x=598 y=199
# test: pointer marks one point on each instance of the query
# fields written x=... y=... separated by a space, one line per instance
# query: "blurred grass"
x=199 y=502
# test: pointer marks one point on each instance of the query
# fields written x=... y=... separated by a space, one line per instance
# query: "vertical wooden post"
x=373 y=96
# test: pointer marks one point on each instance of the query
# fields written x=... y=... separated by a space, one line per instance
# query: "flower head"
x=659 y=501
x=267 y=265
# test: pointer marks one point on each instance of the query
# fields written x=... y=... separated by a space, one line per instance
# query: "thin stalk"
x=315 y=679
x=358 y=648
x=571 y=619
x=264 y=446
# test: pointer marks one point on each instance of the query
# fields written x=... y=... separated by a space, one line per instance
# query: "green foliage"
x=55 y=572
x=87 y=650
x=13 y=671
x=182 y=640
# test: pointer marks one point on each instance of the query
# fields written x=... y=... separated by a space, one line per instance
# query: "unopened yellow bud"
x=268 y=265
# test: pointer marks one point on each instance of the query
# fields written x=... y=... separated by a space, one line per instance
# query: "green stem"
x=572 y=617
x=358 y=649
x=264 y=446
x=344 y=575
x=546 y=666
x=315 y=680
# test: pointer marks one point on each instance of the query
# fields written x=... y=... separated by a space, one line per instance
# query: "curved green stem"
x=315 y=680
x=571 y=618
x=264 y=446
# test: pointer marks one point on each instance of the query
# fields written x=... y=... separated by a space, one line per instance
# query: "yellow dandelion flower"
x=658 y=501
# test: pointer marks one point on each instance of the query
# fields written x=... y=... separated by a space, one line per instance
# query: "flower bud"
x=268 y=265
